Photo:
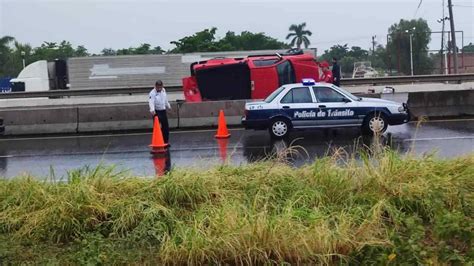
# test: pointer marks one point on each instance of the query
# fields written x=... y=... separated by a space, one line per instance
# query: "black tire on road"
x=279 y=128
x=374 y=123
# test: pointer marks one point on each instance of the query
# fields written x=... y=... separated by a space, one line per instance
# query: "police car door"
x=298 y=104
x=334 y=108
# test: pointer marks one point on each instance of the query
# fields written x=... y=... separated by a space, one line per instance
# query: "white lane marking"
x=237 y=146
x=443 y=138
x=443 y=120
x=114 y=135
x=73 y=137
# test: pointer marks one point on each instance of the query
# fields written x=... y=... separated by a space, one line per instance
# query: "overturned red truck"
x=252 y=77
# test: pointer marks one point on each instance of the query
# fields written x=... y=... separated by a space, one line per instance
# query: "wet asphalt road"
x=42 y=156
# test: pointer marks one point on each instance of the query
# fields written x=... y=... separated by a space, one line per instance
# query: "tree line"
x=13 y=52
x=394 y=56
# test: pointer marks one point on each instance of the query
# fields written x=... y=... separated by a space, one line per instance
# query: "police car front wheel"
x=375 y=124
x=279 y=128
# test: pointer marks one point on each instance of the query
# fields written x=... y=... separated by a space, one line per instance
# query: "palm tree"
x=5 y=54
x=299 y=35
x=5 y=43
x=5 y=40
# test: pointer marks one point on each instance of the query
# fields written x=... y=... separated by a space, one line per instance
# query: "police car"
x=321 y=105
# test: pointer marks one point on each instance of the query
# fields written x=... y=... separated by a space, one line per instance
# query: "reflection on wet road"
x=199 y=149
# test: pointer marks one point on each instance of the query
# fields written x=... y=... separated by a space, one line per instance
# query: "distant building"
x=465 y=64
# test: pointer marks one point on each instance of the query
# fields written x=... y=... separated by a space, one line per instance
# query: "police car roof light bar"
x=308 y=82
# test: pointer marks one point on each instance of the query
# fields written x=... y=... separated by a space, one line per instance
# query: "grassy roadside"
x=381 y=209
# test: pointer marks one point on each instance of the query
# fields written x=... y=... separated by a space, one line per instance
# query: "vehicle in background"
x=321 y=105
x=364 y=70
x=42 y=76
x=252 y=77
x=5 y=86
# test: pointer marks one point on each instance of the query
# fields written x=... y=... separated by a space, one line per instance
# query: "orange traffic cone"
x=157 y=143
x=223 y=149
x=222 y=131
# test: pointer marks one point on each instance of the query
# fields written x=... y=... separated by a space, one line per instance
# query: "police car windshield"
x=274 y=94
x=348 y=94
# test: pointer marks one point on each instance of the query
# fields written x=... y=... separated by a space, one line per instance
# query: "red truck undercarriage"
x=252 y=77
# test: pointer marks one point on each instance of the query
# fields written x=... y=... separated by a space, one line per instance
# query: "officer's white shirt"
x=158 y=100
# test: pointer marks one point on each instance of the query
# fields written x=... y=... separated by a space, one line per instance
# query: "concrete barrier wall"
x=135 y=116
x=441 y=103
x=119 y=117
x=115 y=117
x=39 y=120
x=206 y=114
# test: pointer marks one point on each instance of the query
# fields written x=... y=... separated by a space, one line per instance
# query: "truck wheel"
x=279 y=128
x=374 y=123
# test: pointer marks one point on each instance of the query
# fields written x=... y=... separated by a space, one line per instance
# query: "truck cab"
x=252 y=77
x=42 y=76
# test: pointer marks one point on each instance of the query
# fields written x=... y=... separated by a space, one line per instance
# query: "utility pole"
x=373 y=44
x=453 y=36
x=442 y=44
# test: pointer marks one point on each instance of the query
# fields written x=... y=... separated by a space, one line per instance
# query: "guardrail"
x=83 y=92
x=458 y=78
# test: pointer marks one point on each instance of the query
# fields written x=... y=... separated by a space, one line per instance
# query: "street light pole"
x=411 y=53
x=23 y=58
x=411 y=47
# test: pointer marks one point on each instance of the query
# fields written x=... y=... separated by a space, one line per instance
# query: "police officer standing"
x=336 y=72
x=158 y=103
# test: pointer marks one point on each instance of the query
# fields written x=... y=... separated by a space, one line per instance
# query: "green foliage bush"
x=381 y=209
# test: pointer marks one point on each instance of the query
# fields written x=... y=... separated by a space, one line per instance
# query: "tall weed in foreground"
x=378 y=208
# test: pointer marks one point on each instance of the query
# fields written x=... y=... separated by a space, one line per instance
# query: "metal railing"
x=83 y=92
x=457 y=78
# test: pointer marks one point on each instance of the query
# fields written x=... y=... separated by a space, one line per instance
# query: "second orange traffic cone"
x=157 y=145
x=222 y=131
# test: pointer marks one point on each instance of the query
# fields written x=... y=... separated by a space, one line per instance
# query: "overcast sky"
x=123 y=23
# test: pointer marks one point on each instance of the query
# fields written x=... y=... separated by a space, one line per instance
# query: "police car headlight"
x=401 y=109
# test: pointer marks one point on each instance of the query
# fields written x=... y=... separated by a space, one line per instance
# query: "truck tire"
x=279 y=128
x=374 y=124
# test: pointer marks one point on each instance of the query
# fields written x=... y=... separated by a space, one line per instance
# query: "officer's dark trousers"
x=163 y=118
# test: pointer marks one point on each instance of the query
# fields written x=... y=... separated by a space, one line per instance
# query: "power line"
x=344 y=40
x=416 y=11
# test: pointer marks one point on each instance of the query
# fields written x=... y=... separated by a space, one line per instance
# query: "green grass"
x=384 y=208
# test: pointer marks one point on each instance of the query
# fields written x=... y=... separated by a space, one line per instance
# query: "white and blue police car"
x=321 y=105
